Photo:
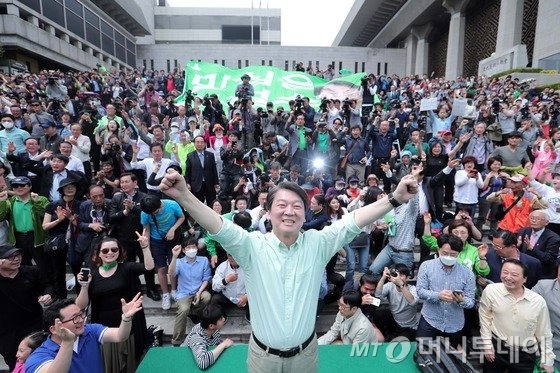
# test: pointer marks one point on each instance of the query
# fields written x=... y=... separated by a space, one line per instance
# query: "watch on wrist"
x=393 y=201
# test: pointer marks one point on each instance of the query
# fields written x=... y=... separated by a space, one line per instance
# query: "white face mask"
x=448 y=260
x=191 y=253
x=339 y=187
x=8 y=125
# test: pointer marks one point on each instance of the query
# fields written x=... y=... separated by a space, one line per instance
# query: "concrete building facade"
x=75 y=34
x=455 y=37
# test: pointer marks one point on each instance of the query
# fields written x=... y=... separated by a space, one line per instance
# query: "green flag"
x=270 y=84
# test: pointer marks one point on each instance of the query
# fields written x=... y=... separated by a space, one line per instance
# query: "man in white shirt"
x=74 y=163
x=155 y=162
x=351 y=326
x=258 y=212
x=229 y=286
x=81 y=146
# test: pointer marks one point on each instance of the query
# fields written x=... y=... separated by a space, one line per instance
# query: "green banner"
x=270 y=84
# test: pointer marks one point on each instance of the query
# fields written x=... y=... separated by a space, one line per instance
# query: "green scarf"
x=109 y=265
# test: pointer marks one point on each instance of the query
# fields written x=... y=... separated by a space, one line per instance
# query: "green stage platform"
x=385 y=357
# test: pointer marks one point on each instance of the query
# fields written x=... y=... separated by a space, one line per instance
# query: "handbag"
x=345 y=158
x=501 y=213
x=361 y=240
x=55 y=243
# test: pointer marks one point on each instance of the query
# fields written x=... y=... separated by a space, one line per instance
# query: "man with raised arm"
x=291 y=263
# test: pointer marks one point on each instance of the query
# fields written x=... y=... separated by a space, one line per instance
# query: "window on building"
x=317 y=66
x=168 y=65
x=238 y=64
x=215 y=61
x=339 y=65
x=223 y=62
x=287 y=65
x=175 y=64
x=33 y=4
x=246 y=63
x=355 y=67
x=54 y=10
x=385 y=69
x=92 y=28
x=240 y=34
x=131 y=53
x=269 y=62
x=152 y=65
x=107 y=38
x=363 y=67
x=378 y=68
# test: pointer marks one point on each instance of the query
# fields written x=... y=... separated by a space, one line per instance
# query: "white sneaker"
x=174 y=295
x=165 y=301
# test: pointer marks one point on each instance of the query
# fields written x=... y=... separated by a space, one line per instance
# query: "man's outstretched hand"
x=174 y=185
x=406 y=189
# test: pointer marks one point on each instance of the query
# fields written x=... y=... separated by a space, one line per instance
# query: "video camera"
x=298 y=104
x=323 y=106
x=189 y=97
x=496 y=105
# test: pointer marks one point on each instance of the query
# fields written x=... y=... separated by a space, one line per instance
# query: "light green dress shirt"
x=283 y=283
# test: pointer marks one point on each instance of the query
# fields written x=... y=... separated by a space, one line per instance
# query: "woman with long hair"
x=112 y=280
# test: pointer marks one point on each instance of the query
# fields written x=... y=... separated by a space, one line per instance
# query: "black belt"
x=24 y=233
x=400 y=251
x=291 y=352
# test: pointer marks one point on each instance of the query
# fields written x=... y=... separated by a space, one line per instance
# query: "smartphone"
x=375 y=301
x=85 y=273
x=458 y=292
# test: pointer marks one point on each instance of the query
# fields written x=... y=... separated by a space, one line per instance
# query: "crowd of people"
x=85 y=165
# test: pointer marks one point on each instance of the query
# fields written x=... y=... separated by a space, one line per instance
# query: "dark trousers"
x=26 y=241
x=205 y=194
x=56 y=271
x=87 y=170
x=301 y=158
x=449 y=187
x=134 y=250
x=427 y=332
x=10 y=340
x=510 y=359
x=218 y=299
x=228 y=180
x=384 y=320
x=555 y=227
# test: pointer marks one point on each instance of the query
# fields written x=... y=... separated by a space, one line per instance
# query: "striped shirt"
x=199 y=341
x=405 y=220
x=447 y=317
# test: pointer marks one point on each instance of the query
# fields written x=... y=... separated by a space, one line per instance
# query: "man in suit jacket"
x=53 y=173
x=22 y=163
x=505 y=247
x=541 y=243
x=201 y=174
x=124 y=217
x=93 y=223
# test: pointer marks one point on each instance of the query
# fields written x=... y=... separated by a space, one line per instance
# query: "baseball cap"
x=48 y=123
x=236 y=111
x=405 y=153
x=192 y=119
x=21 y=180
x=518 y=178
x=340 y=180
x=353 y=179
x=8 y=250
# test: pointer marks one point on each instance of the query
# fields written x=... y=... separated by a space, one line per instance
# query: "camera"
x=51 y=80
x=364 y=81
x=496 y=105
x=116 y=147
x=323 y=106
x=233 y=144
x=394 y=272
x=206 y=100
x=298 y=103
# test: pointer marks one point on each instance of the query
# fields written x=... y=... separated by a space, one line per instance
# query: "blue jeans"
x=363 y=254
x=387 y=257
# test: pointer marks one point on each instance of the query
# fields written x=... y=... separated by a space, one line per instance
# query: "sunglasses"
x=113 y=250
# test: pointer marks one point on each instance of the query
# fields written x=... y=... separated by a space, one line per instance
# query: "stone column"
x=510 y=25
x=410 y=42
x=456 y=38
x=50 y=29
x=422 y=47
x=78 y=44
x=65 y=37
x=12 y=10
x=33 y=20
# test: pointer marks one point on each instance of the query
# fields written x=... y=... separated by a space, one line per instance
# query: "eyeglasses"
x=14 y=256
x=77 y=319
x=343 y=307
x=113 y=250
x=18 y=185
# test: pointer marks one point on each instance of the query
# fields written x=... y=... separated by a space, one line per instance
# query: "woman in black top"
x=60 y=223
x=115 y=279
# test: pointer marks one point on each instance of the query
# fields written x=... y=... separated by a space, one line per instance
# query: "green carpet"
x=384 y=358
